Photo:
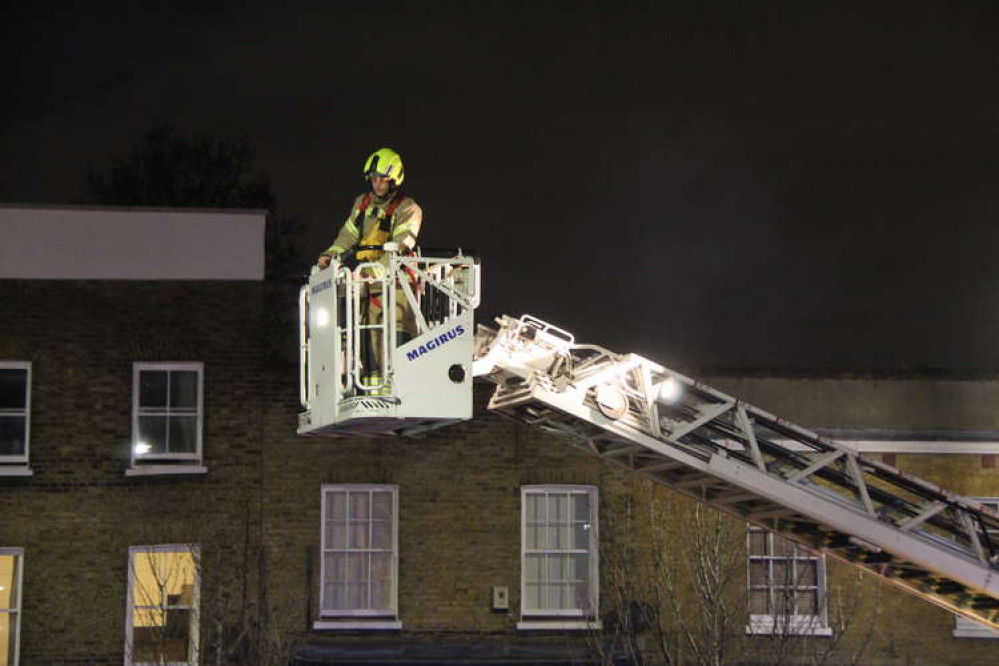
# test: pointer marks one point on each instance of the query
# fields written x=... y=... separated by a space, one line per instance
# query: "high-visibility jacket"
x=375 y=220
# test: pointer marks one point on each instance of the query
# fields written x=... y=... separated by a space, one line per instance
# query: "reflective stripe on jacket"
x=403 y=226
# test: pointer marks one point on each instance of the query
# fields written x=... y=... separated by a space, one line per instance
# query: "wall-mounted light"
x=322 y=317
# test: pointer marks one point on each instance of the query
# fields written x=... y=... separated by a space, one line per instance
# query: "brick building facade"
x=154 y=495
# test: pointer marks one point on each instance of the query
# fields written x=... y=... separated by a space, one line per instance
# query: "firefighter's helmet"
x=386 y=163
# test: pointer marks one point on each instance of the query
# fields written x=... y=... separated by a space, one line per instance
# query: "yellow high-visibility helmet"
x=387 y=163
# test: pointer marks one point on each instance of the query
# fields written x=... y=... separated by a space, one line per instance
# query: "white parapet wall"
x=108 y=243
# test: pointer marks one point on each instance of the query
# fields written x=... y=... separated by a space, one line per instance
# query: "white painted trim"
x=180 y=366
x=973 y=630
x=593 y=496
x=158 y=470
x=393 y=610
x=916 y=446
x=763 y=625
x=195 y=647
x=559 y=625
x=15 y=470
x=119 y=243
x=24 y=458
x=952 y=446
x=354 y=625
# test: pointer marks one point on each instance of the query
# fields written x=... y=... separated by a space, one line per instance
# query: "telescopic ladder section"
x=694 y=439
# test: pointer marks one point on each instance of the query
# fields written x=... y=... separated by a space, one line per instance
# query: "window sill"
x=765 y=626
x=157 y=470
x=15 y=470
x=975 y=632
x=357 y=625
x=559 y=625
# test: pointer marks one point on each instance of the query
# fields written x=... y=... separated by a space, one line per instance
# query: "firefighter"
x=382 y=214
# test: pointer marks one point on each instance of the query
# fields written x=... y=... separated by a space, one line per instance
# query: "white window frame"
x=17 y=465
x=15 y=609
x=799 y=625
x=561 y=619
x=166 y=463
x=195 y=647
x=963 y=627
x=353 y=619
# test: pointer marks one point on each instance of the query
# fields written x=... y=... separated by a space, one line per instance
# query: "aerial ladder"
x=639 y=415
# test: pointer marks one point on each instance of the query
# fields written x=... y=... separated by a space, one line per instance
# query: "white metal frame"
x=816 y=624
x=15 y=608
x=592 y=551
x=194 y=649
x=718 y=449
x=340 y=396
x=21 y=460
x=368 y=617
x=141 y=459
x=963 y=627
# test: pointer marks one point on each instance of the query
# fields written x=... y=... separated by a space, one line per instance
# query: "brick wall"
x=256 y=513
x=78 y=514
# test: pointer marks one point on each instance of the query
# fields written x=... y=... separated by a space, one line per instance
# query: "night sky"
x=754 y=185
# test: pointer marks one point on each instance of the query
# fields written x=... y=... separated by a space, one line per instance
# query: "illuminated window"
x=10 y=604
x=162 y=623
x=787 y=586
x=15 y=412
x=558 y=553
x=166 y=414
x=963 y=627
x=360 y=548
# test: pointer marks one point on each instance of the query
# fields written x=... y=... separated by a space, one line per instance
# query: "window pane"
x=335 y=589
x=532 y=595
x=782 y=573
x=359 y=505
x=336 y=506
x=152 y=434
x=558 y=509
x=581 y=536
x=535 y=537
x=357 y=535
x=806 y=571
x=13 y=434
x=381 y=507
x=556 y=563
x=13 y=388
x=152 y=388
x=161 y=576
x=8 y=579
x=183 y=434
x=381 y=580
x=535 y=508
x=806 y=602
x=184 y=389
x=783 y=547
x=381 y=534
x=757 y=542
x=357 y=580
x=758 y=573
x=7 y=638
x=758 y=602
x=160 y=636
x=581 y=507
x=534 y=568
